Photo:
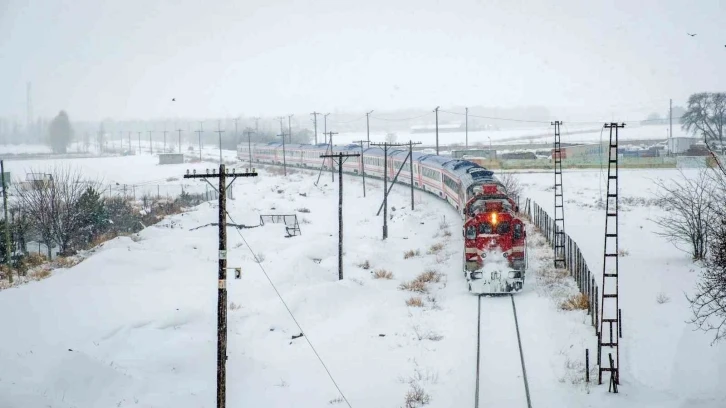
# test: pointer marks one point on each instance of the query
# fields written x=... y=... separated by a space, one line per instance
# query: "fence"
x=158 y=191
x=574 y=261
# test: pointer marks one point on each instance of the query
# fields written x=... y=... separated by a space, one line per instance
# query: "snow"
x=139 y=314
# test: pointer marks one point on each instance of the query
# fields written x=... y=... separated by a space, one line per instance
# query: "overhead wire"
x=347 y=121
x=289 y=311
x=398 y=119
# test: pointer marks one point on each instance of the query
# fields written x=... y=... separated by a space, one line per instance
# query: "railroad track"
x=501 y=377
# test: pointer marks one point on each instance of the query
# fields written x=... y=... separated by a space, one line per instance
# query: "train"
x=495 y=239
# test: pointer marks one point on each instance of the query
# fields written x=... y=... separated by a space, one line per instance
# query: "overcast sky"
x=127 y=59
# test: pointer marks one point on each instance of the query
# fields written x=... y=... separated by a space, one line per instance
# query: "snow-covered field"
x=135 y=323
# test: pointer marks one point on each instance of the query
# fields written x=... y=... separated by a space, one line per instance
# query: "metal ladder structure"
x=559 y=230
x=610 y=333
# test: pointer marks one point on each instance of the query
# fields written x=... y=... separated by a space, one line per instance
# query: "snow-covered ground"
x=135 y=323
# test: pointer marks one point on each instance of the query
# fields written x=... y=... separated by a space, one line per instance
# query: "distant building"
x=171 y=158
x=679 y=145
x=485 y=153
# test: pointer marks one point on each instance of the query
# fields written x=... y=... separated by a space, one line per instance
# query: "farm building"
x=575 y=151
x=679 y=145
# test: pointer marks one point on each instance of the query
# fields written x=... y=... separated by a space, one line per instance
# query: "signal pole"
x=315 y=121
x=330 y=135
x=368 y=127
x=437 y=130
x=222 y=273
x=341 y=159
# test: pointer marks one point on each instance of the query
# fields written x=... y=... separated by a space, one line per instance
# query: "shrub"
x=365 y=264
x=435 y=248
x=414 y=301
x=430 y=275
x=40 y=274
x=414 y=286
x=411 y=253
x=416 y=397
x=576 y=302
x=382 y=274
x=662 y=298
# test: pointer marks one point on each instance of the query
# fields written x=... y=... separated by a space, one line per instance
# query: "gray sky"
x=127 y=59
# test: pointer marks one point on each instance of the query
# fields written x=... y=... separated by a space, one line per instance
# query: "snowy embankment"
x=662 y=355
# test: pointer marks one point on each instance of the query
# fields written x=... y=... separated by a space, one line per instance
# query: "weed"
x=411 y=253
x=414 y=286
x=416 y=397
x=435 y=248
x=365 y=264
x=662 y=298
x=576 y=302
x=414 y=301
x=382 y=274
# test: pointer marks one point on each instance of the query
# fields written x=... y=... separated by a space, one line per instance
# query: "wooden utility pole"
x=315 y=122
x=249 y=143
x=341 y=159
x=386 y=189
x=222 y=273
x=362 y=165
x=284 y=156
x=467 y=128
x=199 y=132
x=330 y=136
x=139 y=142
x=151 y=144
x=368 y=126
x=325 y=123
x=8 y=250
x=220 y=131
x=437 y=130
x=289 y=127
x=130 y=149
x=180 y=143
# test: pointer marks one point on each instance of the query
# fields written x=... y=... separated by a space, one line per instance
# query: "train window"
x=485 y=228
x=503 y=228
x=470 y=232
x=517 y=231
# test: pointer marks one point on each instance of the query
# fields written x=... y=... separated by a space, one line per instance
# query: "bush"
x=414 y=286
x=365 y=264
x=382 y=274
x=428 y=276
x=411 y=253
x=435 y=248
x=662 y=298
x=576 y=302
x=416 y=397
x=414 y=301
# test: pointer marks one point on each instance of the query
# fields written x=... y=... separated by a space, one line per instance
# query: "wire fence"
x=574 y=261
x=161 y=191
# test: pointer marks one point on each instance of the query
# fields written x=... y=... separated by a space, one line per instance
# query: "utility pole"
x=341 y=159
x=467 y=128
x=249 y=144
x=330 y=135
x=236 y=135
x=199 y=132
x=180 y=143
x=289 y=127
x=437 y=130
x=368 y=127
x=284 y=156
x=257 y=125
x=670 y=132
x=362 y=165
x=151 y=145
x=315 y=121
x=139 y=142
x=222 y=273
x=325 y=121
x=386 y=189
x=130 y=150
x=165 y=132
x=220 y=131
x=8 y=249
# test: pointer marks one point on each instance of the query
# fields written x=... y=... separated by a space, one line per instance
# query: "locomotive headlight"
x=494 y=218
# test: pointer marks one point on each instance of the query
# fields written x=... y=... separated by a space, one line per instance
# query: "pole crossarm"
x=408 y=156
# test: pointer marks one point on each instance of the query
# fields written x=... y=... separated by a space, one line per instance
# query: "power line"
x=307 y=338
x=348 y=121
x=397 y=119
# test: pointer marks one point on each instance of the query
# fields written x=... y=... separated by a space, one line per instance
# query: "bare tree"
x=50 y=202
x=706 y=116
x=511 y=184
x=709 y=303
x=688 y=203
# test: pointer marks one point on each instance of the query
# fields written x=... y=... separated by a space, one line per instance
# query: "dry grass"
x=34 y=259
x=411 y=253
x=447 y=233
x=576 y=302
x=415 y=301
x=66 y=262
x=414 y=286
x=623 y=252
x=428 y=276
x=422 y=334
x=39 y=274
x=365 y=265
x=662 y=298
x=382 y=274
x=435 y=248
x=416 y=397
